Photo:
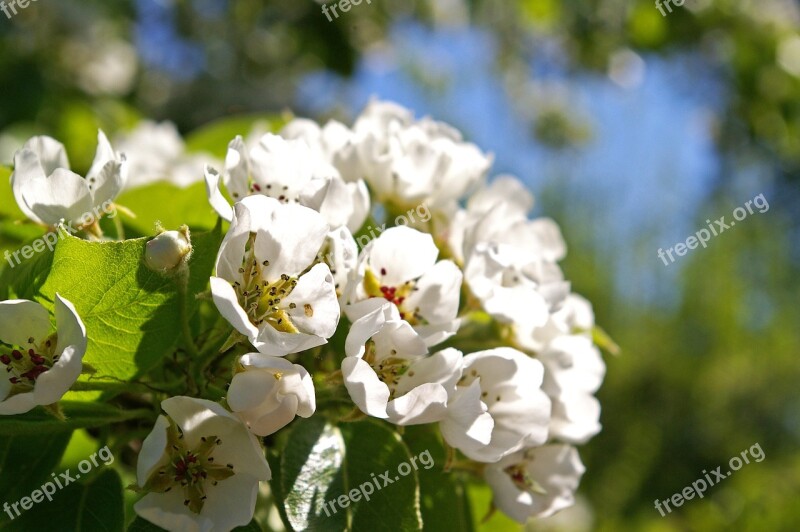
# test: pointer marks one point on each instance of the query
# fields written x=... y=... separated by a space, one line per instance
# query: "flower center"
x=189 y=469
x=522 y=479
x=262 y=299
x=24 y=366
x=375 y=287
x=389 y=369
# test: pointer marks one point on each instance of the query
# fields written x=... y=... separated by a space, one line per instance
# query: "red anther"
x=31 y=352
x=400 y=300
x=191 y=458
x=5 y=359
x=13 y=380
x=383 y=271
x=16 y=354
x=37 y=359
x=256 y=187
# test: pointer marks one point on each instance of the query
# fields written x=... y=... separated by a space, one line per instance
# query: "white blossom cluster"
x=464 y=320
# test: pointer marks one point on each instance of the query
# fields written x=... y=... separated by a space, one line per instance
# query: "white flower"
x=574 y=371
x=575 y=316
x=510 y=387
x=388 y=372
x=400 y=266
x=335 y=142
x=291 y=172
x=40 y=367
x=200 y=467
x=535 y=482
x=510 y=262
x=340 y=253
x=268 y=285
x=269 y=391
x=48 y=192
x=157 y=152
x=408 y=163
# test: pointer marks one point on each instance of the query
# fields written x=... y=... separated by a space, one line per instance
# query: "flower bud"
x=169 y=250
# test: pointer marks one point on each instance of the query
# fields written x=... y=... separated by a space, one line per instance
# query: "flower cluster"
x=461 y=319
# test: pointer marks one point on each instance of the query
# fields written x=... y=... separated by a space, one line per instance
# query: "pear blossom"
x=574 y=371
x=408 y=162
x=157 y=152
x=388 y=371
x=334 y=142
x=40 y=366
x=47 y=191
x=200 y=468
x=268 y=283
x=510 y=262
x=400 y=266
x=340 y=253
x=268 y=392
x=291 y=172
x=574 y=316
x=509 y=383
x=535 y=482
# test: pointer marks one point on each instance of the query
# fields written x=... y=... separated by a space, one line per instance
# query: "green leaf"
x=480 y=496
x=79 y=415
x=143 y=525
x=169 y=204
x=132 y=314
x=95 y=505
x=27 y=462
x=443 y=496
x=23 y=280
x=214 y=138
x=323 y=463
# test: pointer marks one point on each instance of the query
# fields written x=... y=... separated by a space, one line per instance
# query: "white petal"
x=152 y=453
x=54 y=383
x=277 y=419
x=108 y=173
x=365 y=388
x=427 y=403
x=228 y=305
x=237 y=169
x=232 y=502
x=50 y=152
x=215 y=197
x=442 y=368
x=292 y=241
x=438 y=292
x=63 y=195
x=19 y=404
x=375 y=312
x=271 y=341
x=21 y=319
x=167 y=511
x=27 y=167
x=403 y=253
x=315 y=294
x=468 y=425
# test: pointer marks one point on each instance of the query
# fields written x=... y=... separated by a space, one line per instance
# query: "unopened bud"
x=169 y=250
